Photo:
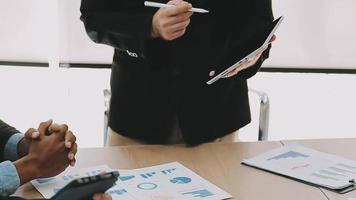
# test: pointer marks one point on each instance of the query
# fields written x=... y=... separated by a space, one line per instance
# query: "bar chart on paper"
x=289 y=154
x=170 y=181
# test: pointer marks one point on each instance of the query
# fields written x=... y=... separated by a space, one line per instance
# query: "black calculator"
x=85 y=188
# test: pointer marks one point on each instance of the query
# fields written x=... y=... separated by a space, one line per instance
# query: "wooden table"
x=219 y=163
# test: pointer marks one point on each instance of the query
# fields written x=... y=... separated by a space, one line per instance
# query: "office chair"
x=263 y=113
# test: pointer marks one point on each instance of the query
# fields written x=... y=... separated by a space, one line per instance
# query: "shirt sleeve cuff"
x=10 y=151
x=9 y=179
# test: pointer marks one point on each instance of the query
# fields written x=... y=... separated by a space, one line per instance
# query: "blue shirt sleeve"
x=10 y=151
x=9 y=179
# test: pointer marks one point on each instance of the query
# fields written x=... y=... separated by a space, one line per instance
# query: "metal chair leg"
x=264 y=115
x=107 y=96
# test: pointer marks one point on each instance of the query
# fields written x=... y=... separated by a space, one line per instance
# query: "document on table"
x=308 y=165
x=171 y=181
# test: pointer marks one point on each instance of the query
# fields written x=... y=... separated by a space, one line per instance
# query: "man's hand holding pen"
x=170 y=23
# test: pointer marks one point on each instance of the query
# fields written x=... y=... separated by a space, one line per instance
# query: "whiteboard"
x=315 y=34
x=74 y=44
x=26 y=30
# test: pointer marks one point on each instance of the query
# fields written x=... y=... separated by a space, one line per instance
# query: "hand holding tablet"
x=260 y=42
x=250 y=62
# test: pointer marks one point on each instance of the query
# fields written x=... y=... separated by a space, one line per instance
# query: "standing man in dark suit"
x=163 y=59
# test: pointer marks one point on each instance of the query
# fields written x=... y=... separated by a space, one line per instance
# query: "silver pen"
x=162 y=5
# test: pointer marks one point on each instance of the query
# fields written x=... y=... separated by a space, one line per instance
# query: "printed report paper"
x=171 y=181
x=305 y=164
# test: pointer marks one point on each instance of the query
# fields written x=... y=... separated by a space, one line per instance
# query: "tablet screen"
x=256 y=43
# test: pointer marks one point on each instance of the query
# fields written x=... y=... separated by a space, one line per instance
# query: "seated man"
x=40 y=153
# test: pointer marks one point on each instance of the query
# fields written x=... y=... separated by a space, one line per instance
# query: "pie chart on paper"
x=181 y=180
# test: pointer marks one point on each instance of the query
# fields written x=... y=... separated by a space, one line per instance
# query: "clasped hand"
x=46 y=151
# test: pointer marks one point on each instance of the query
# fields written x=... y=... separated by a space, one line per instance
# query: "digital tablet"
x=262 y=41
x=85 y=188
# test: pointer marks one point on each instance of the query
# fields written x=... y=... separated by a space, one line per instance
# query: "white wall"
x=71 y=96
x=305 y=106
x=308 y=106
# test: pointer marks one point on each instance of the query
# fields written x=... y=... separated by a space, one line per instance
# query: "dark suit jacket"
x=153 y=81
x=6 y=132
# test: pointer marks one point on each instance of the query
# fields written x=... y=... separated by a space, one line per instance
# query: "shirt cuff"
x=10 y=151
x=9 y=179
